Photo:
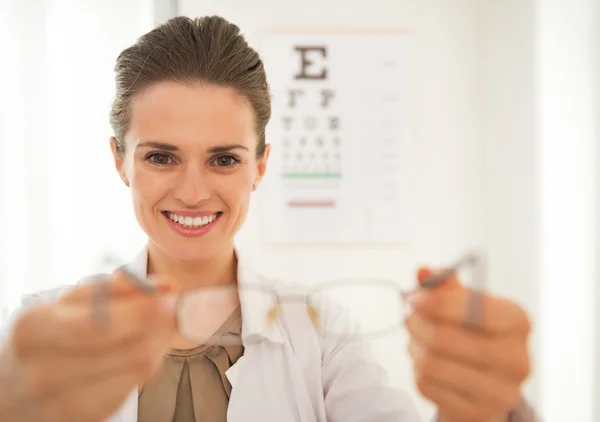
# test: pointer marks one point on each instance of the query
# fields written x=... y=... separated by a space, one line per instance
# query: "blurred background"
x=501 y=156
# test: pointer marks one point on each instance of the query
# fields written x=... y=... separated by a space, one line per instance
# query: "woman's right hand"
x=60 y=365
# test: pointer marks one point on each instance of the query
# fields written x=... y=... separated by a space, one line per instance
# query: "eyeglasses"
x=375 y=307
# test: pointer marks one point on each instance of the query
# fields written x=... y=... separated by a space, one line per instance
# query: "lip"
x=188 y=213
x=190 y=231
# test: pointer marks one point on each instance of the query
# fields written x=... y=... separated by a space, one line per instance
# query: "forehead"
x=199 y=114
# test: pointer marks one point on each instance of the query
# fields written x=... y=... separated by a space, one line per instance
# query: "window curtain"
x=62 y=203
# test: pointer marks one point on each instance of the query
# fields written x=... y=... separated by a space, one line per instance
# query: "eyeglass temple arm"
x=438 y=278
x=140 y=283
x=101 y=294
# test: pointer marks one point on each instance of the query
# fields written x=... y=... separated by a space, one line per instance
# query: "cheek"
x=148 y=187
x=235 y=189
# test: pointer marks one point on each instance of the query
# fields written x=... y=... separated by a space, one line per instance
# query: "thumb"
x=451 y=282
x=117 y=286
x=423 y=274
x=165 y=282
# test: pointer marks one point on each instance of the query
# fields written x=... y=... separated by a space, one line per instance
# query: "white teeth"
x=194 y=222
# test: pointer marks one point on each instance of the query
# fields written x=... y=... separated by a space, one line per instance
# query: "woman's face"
x=191 y=165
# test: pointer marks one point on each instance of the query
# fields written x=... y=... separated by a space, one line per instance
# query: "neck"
x=219 y=269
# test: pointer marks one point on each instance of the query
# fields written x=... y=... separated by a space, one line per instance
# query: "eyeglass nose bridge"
x=293 y=298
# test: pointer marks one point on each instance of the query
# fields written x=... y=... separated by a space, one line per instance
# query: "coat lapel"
x=128 y=412
x=267 y=382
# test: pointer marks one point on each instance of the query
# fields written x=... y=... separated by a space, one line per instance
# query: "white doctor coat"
x=292 y=374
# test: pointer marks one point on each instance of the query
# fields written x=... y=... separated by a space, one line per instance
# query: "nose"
x=192 y=188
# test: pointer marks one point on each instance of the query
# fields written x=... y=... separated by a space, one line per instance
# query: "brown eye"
x=226 y=161
x=159 y=159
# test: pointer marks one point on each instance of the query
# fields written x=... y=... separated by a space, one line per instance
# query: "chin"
x=191 y=250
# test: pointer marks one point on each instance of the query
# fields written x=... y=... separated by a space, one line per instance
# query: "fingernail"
x=163 y=284
x=165 y=288
x=168 y=304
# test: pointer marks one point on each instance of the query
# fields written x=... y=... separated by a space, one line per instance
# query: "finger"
x=50 y=376
x=450 y=283
x=451 y=404
x=63 y=328
x=94 y=401
x=77 y=402
x=491 y=393
x=423 y=273
x=497 y=315
x=507 y=356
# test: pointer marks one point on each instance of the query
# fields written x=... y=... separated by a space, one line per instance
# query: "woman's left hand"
x=471 y=374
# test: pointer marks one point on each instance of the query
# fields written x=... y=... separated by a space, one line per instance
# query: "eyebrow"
x=168 y=147
x=157 y=145
x=226 y=148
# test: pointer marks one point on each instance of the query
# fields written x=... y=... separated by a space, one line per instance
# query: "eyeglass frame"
x=474 y=310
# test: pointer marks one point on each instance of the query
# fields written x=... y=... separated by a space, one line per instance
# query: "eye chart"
x=338 y=134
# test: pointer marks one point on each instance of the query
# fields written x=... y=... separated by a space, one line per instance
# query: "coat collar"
x=254 y=306
x=254 y=309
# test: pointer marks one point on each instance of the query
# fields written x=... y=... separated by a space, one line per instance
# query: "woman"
x=189 y=123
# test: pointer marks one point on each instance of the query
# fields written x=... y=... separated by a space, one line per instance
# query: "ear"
x=262 y=166
x=119 y=159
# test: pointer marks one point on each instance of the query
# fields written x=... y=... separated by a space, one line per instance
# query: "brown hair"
x=202 y=50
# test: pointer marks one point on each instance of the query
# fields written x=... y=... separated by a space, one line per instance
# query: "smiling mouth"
x=192 y=222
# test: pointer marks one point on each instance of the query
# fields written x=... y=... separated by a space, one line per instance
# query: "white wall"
x=568 y=149
x=63 y=203
x=81 y=52
x=596 y=15
x=540 y=123
x=540 y=126
x=510 y=160
x=444 y=152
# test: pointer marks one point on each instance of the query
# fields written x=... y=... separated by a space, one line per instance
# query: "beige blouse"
x=192 y=385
